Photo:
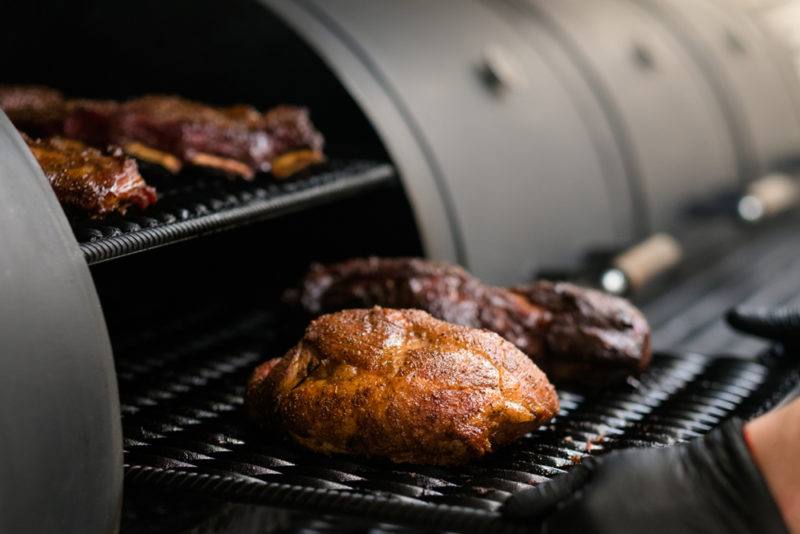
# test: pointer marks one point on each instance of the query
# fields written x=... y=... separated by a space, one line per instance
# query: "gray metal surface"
x=60 y=438
x=421 y=176
x=745 y=69
x=779 y=51
x=618 y=167
x=676 y=127
x=512 y=151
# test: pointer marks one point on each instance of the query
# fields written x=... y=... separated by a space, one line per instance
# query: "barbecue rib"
x=86 y=179
x=402 y=385
x=573 y=333
x=34 y=109
x=171 y=131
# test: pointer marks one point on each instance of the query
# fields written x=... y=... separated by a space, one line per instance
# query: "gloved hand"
x=709 y=485
x=778 y=324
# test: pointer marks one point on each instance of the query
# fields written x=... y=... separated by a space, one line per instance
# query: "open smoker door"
x=61 y=447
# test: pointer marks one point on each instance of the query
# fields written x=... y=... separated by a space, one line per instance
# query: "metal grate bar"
x=185 y=431
x=192 y=206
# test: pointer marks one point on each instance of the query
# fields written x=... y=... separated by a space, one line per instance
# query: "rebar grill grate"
x=184 y=430
x=193 y=205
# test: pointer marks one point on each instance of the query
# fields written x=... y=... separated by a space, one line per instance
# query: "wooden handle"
x=644 y=261
x=769 y=196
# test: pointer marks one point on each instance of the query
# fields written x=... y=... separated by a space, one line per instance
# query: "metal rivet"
x=643 y=57
x=500 y=70
x=734 y=43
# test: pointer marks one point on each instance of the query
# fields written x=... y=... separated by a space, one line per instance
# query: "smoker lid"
x=673 y=121
x=414 y=161
x=506 y=147
x=61 y=444
x=759 y=91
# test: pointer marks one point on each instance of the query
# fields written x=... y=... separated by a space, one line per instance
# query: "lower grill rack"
x=185 y=432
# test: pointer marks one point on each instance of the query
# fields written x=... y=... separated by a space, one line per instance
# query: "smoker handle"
x=635 y=267
x=769 y=196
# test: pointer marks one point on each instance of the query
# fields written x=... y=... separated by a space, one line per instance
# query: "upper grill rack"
x=184 y=430
x=193 y=205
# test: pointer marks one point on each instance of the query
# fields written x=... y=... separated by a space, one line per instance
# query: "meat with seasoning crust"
x=573 y=333
x=401 y=385
x=591 y=335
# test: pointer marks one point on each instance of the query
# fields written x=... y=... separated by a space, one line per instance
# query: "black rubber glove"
x=778 y=324
x=709 y=485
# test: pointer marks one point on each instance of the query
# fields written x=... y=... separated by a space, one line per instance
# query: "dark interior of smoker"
x=256 y=60
x=188 y=321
